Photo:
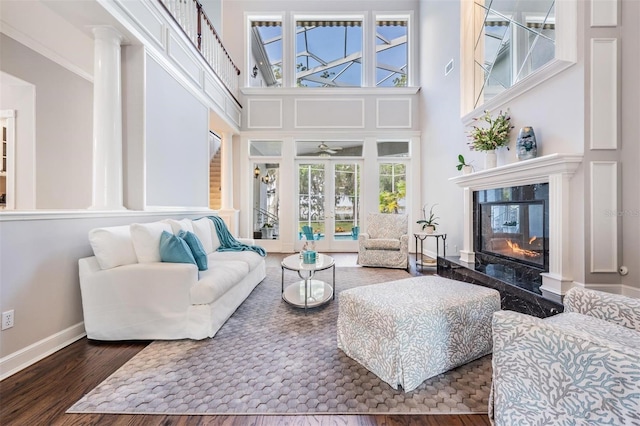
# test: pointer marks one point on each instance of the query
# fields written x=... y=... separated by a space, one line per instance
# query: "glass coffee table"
x=308 y=293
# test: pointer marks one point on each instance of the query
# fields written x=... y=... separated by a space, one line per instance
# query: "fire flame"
x=532 y=239
x=516 y=249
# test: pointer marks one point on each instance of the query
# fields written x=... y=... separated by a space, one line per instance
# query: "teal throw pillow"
x=174 y=249
x=196 y=249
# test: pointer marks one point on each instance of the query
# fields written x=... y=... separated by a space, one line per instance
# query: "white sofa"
x=128 y=293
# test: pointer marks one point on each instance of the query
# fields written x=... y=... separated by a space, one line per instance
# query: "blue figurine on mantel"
x=526 y=146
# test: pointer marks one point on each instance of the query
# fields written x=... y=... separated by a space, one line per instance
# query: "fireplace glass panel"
x=514 y=230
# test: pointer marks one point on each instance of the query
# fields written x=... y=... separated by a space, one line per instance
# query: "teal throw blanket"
x=228 y=242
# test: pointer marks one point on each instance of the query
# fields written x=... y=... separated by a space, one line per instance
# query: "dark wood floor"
x=41 y=394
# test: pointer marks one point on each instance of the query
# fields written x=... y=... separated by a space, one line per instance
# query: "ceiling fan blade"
x=330 y=151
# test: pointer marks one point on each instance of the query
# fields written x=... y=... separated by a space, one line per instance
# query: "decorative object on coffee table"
x=526 y=146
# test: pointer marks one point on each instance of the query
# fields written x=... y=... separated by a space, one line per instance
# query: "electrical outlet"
x=7 y=319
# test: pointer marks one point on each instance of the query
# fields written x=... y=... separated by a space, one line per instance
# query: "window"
x=265 y=148
x=325 y=149
x=391 y=52
x=328 y=53
x=393 y=187
x=393 y=149
x=266 y=52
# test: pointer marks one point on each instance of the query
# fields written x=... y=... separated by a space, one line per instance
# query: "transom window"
x=391 y=52
x=328 y=53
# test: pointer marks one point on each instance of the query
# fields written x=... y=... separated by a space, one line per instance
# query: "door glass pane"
x=347 y=201
x=311 y=197
x=393 y=187
x=266 y=201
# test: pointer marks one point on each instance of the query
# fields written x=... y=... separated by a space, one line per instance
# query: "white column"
x=559 y=278
x=107 y=121
x=467 y=254
x=227 y=212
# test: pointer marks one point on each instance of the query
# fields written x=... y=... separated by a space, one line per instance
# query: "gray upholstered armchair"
x=386 y=242
x=578 y=367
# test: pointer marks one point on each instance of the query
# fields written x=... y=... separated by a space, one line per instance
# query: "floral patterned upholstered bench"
x=408 y=330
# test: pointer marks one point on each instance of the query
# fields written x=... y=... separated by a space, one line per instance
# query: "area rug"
x=272 y=358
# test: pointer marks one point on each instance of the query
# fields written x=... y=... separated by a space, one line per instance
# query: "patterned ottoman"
x=408 y=330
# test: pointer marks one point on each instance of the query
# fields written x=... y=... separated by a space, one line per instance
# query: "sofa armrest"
x=140 y=293
x=556 y=369
x=614 y=308
x=247 y=241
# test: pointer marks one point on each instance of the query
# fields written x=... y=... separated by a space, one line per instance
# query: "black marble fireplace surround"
x=517 y=292
x=511 y=236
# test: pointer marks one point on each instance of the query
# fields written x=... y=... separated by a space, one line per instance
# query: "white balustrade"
x=188 y=14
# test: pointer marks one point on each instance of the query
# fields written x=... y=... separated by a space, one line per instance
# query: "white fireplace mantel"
x=555 y=169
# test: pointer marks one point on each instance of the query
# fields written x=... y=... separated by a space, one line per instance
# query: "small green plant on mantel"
x=494 y=136
x=462 y=165
x=429 y=222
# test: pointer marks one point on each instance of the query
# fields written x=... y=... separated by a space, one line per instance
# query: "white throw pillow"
x=112 y=246
x=179 y=225
x=214 y=236
x=146 y=240
x=204 y=230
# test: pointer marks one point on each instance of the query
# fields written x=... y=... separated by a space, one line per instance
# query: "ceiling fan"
x=326 y=149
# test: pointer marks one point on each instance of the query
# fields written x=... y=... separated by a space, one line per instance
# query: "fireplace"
x=512 y=224
x=528 y=204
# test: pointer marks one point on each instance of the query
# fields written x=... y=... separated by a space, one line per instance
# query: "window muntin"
x=392 y=52
x=328 y=53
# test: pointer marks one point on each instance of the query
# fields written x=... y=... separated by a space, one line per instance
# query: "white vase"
x=490 y=159
x=466 y=169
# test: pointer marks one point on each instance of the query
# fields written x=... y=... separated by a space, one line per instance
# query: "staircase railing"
x=198 y=28
x=264 y=216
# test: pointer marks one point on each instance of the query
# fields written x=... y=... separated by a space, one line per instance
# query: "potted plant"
x=429 y=222
x=491 y=137
x=267 y=231
x=462 y=165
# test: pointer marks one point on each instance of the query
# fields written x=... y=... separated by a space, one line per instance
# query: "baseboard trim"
x=28 y=356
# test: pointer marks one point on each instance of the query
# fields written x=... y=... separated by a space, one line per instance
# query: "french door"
x=328 y=203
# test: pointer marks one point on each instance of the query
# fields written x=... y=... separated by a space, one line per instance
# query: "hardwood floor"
x=41 y=394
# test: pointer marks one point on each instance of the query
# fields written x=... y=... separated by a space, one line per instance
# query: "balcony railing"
x=196 y=25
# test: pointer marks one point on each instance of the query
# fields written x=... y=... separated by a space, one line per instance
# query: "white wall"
x=177 y=143
x=554 y=109
x=63 y=127
x=20 y=96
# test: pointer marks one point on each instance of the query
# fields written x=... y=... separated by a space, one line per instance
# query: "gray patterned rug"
x=271 y=358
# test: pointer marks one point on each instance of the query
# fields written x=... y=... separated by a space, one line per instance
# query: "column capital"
x=107 y=33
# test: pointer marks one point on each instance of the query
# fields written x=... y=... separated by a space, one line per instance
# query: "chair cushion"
x=382 y=244
x=388 y=226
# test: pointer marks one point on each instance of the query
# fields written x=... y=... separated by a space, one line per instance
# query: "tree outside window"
x=393 y=187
